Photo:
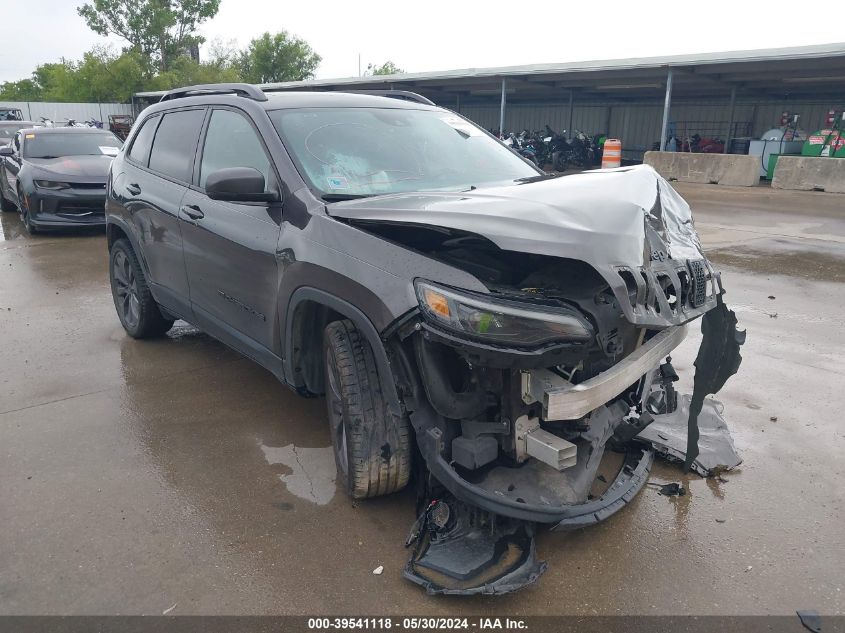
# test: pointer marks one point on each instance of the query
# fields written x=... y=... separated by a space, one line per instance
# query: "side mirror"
x=7 y=150
x=238 y=184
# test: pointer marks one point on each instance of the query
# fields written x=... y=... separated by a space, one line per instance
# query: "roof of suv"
x=233 y=92
x=276 y=100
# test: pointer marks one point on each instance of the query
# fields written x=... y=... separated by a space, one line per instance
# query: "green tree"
x=22 y=90
x=102 y=76
x=160 y=30
x=186 y=72
x=280 y=57
x=387 y=68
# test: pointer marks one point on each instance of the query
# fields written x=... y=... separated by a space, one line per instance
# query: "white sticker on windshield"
x=462 y=126
x=108 y=150
x=337 y=182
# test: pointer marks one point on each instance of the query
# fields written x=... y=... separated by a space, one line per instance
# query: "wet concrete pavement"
x=135 y=476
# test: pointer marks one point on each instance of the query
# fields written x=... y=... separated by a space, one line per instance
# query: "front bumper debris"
x=667 y=434
x=471 y=552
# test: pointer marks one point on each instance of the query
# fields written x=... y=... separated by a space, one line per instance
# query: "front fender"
x=362 y=323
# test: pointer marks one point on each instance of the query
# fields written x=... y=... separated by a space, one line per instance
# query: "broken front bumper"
x=519 y=492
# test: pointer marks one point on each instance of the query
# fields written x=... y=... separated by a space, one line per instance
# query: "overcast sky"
x=439 y=35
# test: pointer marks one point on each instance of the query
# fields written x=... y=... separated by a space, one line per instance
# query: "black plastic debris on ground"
x=667 y=434
x=810 y=619
x=462 y=550
x=670 y=490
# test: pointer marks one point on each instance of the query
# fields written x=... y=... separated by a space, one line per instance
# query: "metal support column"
x=667 y=104
x=571 y=104
x=730 y=121
x=502 y=110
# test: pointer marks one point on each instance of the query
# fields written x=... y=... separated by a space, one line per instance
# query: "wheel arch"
x=309 y=311
x=118 y=229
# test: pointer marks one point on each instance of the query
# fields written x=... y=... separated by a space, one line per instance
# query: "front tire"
x=372 y=447
x=136 y=308
x=27 y=221
x=5 y=203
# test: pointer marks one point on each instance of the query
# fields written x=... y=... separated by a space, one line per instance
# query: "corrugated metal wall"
x=58 y=112
x=638 y=124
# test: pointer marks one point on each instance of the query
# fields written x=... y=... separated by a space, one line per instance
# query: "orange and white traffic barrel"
x=612 y=155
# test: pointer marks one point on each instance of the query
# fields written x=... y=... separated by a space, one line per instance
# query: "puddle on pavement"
x=313 y=471
x=781 y=257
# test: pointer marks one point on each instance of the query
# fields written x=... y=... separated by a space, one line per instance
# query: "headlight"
x=50 y=184
x=500 y=321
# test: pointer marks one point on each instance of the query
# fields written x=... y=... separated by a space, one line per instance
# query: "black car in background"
x=57 y=177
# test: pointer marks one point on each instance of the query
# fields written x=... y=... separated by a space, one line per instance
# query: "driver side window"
x=231 y=141
x=17 y=143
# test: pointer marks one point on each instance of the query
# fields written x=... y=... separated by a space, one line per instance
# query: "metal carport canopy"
x=797 y=71
x=777 y=73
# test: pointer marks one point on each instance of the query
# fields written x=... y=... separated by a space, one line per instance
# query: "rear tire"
x=137 y=310
x=372 y=447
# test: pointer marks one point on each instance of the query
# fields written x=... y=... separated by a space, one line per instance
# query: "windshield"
x=49 y=145
x=369 y=151
x=8 y=131
x=10 y=114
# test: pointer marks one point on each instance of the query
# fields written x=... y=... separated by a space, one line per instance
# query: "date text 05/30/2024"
x=416 y=624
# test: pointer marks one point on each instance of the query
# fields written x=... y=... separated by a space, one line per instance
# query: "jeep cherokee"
x=471 y=319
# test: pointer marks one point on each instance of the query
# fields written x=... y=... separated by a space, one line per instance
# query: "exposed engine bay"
x=527 y=401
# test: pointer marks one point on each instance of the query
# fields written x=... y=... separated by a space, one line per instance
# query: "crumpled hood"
x=600 y=217
x=90 y=168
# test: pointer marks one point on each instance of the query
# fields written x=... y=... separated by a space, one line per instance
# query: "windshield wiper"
x=338 y=197
x=539 y=177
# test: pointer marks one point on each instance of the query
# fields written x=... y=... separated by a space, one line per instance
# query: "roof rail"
x=242 y=90
x=404 y=95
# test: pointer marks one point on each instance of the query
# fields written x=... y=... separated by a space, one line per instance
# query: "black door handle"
x=193 y=211
x=134 y=189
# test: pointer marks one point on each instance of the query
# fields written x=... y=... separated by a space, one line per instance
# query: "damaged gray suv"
x=494 y=333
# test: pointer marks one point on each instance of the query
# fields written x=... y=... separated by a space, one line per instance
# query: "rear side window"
x=232 y=142
x=175 y=143
x=140 y=150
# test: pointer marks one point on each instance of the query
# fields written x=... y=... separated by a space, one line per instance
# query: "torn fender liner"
x=668 y=435
x=472 y=552
x=718 y=359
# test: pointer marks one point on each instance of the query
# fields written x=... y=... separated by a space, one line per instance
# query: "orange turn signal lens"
x=437 y=302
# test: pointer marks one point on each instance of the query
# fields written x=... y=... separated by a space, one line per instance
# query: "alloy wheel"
x=126 y=286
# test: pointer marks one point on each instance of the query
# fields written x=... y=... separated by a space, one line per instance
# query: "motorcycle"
x=517 y=144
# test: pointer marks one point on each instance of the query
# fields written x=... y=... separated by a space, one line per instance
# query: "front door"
x=230 y=248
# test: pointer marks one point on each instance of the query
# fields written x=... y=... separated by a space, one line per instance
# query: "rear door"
x=230 y=247
x=159 y=166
